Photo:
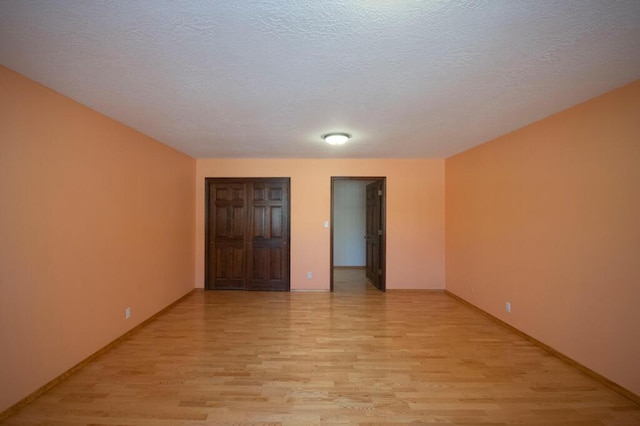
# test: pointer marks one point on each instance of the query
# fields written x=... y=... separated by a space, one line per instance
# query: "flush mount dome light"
x=336 y=138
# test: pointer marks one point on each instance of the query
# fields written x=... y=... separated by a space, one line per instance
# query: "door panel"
x=267 y=263
x=221 y=222
x=237 y=223
x=259 y=225
x=248 y=234
x=374 y=233
x=230 y=267
x=275 y=222
x=269 y=269
x=227 y=238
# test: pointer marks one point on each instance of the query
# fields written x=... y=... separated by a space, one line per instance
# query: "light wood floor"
x=350 y=280
x=354 y=356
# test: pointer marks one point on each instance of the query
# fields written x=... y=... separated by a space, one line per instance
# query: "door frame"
x=383 y=213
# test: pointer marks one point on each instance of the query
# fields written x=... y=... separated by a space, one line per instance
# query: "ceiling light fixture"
x=336 y=138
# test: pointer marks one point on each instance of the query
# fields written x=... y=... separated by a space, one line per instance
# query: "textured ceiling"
x=410 y=78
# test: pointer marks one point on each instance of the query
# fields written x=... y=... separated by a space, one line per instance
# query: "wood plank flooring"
x=355 y=356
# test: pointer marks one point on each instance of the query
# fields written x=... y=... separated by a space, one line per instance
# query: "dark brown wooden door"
x=373 y=235
x=226 y=254
x=247 y=234
x=268 y=264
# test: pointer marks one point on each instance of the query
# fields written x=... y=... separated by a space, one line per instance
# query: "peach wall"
x=94 y=217
x=415 y=215
x=548 y=218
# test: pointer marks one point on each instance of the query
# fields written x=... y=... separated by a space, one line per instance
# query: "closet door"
x=226 y=254
x=247 y=234
x=268 y=267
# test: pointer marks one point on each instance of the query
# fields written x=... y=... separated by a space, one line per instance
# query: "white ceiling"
x=408 y=78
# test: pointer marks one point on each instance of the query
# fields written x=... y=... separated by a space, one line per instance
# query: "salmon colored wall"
x=94 y=217
x=548 y=218
x=415 y=215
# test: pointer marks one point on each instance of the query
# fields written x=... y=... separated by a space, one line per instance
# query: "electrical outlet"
x=127 y=313
x=508 y=307
x=309 y=275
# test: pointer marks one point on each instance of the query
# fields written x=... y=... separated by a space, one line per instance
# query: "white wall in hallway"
x=349 y=205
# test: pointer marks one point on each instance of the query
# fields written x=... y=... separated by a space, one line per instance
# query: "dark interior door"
x=373 y=235
x=269 y=235
x=247 y=234
x=226 y=254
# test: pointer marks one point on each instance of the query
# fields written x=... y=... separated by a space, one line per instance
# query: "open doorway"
x=358 y=234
